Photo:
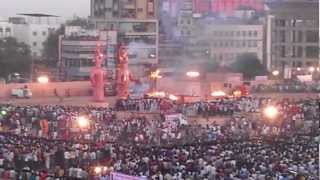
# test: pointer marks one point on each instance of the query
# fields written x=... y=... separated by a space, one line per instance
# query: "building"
x=6 y=29
x=78 y=48
x=292 y=35
x=226 y=7
x=136 y=22
x=33 y=33
x=225 y=40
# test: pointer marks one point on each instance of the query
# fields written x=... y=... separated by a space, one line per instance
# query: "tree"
x=14 y=57
x=249 y=65
x=51 y=47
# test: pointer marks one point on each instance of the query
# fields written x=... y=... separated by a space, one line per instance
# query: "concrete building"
x=292 y=35
x=33 y=33
x=77 y=51
x=136 y=22
x=224 y=40
x=229 y=39
x=6 y=29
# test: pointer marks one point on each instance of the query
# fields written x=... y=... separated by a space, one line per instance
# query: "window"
x=250 y=43
x=44 y=33
x=255 y=44
x=312 y=36
x=244 y=33
x=35 y=33
x=181 y=21
x=231 y=33
x=282 y=51
x=8 y=30
x=188 y=22
x=312 y=52
x=231 y=43
x=238 y=44
x=255 y=33
x=188 y=33
x=250 y=33
x=34 y=43
x=238 y=33
x=139 y=9
x=243 y=43
x=1 y=30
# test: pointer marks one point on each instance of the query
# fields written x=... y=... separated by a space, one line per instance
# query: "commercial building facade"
x=227 y=40
x=292 y=35
x=136 y=22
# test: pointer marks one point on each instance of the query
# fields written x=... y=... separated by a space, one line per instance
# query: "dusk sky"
x=63 y=8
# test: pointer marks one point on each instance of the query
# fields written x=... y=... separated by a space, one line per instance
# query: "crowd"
x=289 y=87
x=221 y=106
x=245 y=147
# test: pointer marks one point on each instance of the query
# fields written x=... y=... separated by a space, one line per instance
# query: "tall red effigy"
x=97 y=76
x=123 y=76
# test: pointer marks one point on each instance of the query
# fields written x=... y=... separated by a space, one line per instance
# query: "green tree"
x=249 y=65
x=14 y=57
x=51 y=47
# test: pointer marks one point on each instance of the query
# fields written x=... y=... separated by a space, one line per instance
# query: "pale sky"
x=64 y=8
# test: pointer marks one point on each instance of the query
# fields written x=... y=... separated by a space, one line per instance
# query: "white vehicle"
x=21 y=93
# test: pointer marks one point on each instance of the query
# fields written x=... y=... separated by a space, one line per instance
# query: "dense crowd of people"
x=45 y=142
x=221 y=106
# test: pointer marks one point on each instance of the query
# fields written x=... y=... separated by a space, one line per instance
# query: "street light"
x=43 y=79
x=271 y=112
x=311 y=69
x=98 y=170
x=275 y=73
x=83 y=122
x=193 y=74
x=298 y=69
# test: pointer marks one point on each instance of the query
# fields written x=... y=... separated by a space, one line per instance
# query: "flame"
x=218 y=94
x=155 y=74
x=160 y=94
x=193 y=74
x=173 y=97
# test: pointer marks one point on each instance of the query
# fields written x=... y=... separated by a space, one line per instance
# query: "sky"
x=63 y=8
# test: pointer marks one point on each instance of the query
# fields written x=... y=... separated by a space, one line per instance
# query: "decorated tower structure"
x=123 y=75
x=97 y=76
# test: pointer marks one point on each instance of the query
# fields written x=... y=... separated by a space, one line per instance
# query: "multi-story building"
x=33 y=33
x=78 y=48
x=5 y=29
x=225 y=40
x=136 y=22
x=292 y=35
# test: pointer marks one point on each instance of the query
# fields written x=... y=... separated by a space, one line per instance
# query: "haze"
x=63 y=8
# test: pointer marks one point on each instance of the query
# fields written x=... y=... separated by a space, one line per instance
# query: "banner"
x=173 y=120
x=119 y=176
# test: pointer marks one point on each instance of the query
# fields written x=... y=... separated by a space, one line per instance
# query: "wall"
x=77 y=88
